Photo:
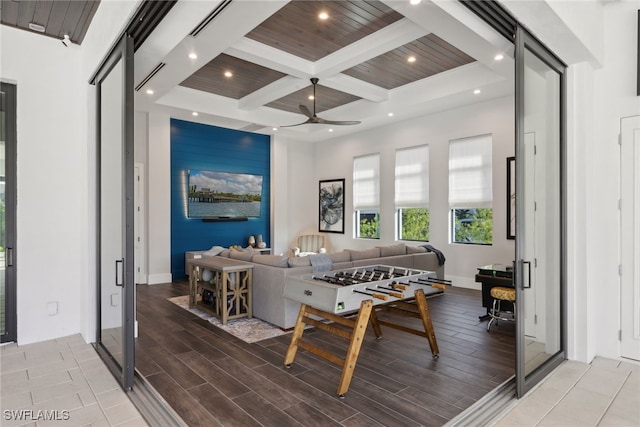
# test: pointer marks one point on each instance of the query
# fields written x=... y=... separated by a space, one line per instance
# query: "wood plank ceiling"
x=297 y=30
x=60 y=17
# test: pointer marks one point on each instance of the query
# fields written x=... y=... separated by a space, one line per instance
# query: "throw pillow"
x=215 y=250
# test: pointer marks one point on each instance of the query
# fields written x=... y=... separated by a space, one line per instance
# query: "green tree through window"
x=414 y=224
x=473 y=225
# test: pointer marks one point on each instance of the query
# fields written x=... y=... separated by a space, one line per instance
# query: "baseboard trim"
x=157 y=279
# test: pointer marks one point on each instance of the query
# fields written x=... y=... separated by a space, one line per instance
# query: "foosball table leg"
x=357 y=336
x=375 y=324
x=298 y=330
x=421 y=302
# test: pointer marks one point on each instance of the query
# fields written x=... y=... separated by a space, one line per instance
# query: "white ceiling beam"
x=272 y=92
x=388 y=38
x=228 y=27
x=267 y=56
x=356 y=87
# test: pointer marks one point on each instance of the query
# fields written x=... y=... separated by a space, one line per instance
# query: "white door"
x=630 y=237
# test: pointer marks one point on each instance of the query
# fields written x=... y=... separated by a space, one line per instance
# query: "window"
x=366 y=196
x=412 y=193
x=470 y=190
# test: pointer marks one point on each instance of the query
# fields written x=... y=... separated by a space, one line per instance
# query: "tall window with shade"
x=412 y=193
x=366 y=196
x=470 y=190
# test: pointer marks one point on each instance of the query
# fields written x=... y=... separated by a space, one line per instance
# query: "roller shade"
x=470 y=171
x=366 y=182
x=412 y=177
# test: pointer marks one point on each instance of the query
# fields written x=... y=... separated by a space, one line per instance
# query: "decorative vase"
x=262 y=245
x=252 y=241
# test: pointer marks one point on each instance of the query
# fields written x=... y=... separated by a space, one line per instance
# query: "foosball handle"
x=438 y=286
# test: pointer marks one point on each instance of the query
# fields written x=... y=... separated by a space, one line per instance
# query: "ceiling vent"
x=202 y=25
x=153 y=72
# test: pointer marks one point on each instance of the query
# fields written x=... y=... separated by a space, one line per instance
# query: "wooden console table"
x=232 y=287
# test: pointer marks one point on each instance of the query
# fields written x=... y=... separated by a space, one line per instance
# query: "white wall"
x=614 y=98
x=333 y=159
x=55 y=175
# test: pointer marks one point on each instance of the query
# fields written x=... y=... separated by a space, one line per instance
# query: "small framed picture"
x=331 y=206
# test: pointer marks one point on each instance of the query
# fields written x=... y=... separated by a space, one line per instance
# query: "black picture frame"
x=331 y=206
x=511 y=198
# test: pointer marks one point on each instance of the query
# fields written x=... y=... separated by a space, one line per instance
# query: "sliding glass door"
x=115 y=190
x=540 y=212
x=8 y=143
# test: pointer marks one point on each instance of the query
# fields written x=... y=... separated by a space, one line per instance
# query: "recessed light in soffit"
x=247 y=77
x=296 y=29
x=435 y=56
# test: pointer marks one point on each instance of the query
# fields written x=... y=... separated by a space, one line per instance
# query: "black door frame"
x=10 y=201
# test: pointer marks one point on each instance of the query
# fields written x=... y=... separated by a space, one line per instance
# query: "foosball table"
x=344 y=302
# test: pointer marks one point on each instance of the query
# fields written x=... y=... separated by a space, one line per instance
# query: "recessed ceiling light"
x=411 y=59
x=323 y=15
x=499 y=57
x=310 y=96
x=228 y=74
x=390 y=114
x=149 y=91
x=414 y=2
x=193 y=55
x=36 y=27
x=274 y=129
x=476 y=92
x=330 y=130
x=195 y=113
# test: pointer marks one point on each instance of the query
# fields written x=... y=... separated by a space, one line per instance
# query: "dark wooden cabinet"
x=490 y=276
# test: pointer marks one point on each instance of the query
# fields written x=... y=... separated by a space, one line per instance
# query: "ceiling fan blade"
x=305 y=110
x=309 y=120
x=338 y=122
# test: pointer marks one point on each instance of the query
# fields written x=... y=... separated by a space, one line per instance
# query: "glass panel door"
x=7 y=212
x=539 y=211
x=116 y=281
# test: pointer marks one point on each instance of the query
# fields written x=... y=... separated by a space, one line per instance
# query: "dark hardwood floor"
x=211 y=378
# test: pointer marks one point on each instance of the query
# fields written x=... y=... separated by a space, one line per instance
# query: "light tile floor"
x=603 y=393
x=61 y=382
x=67 y=375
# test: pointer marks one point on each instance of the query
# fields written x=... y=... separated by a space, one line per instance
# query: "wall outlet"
x=115 y=300
x=52 y=308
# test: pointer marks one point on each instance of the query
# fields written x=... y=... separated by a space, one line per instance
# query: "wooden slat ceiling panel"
x=326 y=99
x=391 y=70
x=247 y=77
x=296 y=28
x=58 y=17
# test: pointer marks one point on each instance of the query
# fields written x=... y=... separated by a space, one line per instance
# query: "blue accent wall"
x=204 y=147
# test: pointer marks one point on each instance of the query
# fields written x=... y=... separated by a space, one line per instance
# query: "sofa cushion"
x=391 y=250
x=244 y=255
x=366 y=254
x=272 y=260
x=299 y=261
x=225 y=253
x=342 y=256
x=416 y=249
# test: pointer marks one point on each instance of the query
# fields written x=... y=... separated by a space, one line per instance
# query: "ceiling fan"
x=313 y=118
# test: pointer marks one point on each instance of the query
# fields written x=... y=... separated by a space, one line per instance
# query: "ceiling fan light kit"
x=312 y=118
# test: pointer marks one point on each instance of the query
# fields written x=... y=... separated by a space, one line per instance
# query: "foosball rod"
x=373 y=294
x=389 y=292
x=436 y=280
x=425 y=283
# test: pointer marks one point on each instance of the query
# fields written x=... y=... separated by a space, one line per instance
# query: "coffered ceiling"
x=246 y=64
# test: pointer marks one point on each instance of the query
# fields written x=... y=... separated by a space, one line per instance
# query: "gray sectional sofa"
x=270 y=273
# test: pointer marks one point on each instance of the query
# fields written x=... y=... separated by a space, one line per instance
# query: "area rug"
x=248 y=330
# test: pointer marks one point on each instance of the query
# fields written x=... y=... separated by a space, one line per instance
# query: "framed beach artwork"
x=331 y=206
